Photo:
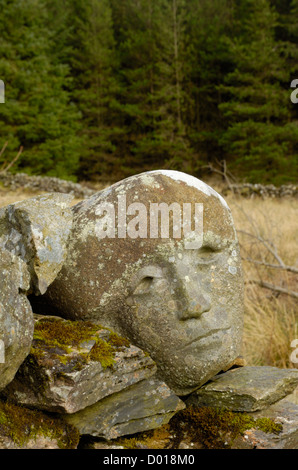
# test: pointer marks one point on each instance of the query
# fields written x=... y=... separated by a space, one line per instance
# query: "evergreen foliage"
x=38 y=113
x=261 y=136
x=102 y=89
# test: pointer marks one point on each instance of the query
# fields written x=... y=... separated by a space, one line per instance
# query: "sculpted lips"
x=198 y=338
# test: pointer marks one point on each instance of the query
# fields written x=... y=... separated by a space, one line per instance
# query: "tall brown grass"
x=268 y=233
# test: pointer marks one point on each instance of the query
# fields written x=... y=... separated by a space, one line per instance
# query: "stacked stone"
x=107 y=401
x=53 y=184
x=259 y=190
x=44 y=183
x=85 y=378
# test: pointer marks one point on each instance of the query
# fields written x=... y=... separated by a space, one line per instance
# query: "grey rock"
x=65 y=380
x=283 y=412
x=143 y=406
x=37 y=230
x=178 y=297
x=264 y=191
x=249 y=388
x=40 y=442
x=16 y=317
x=100 y=444
x=293 y=397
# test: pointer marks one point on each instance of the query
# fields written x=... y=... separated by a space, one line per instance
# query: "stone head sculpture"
x=156 y=258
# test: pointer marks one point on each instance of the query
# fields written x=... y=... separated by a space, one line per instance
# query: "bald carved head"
x=156 y=258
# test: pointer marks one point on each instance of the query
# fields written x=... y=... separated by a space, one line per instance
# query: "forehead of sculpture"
x=164 y=190
x=97 y=261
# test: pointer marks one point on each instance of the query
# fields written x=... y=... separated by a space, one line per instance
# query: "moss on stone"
x=205 y=427
x=60 y=337
x=37 y=352
x=102 y=352
x=158 y=438
x=21 y=425
x=117 y=341
x=63 y=333
x=216 y=428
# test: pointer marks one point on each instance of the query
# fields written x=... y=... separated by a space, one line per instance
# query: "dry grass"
x=8 y=197
x=270 y=322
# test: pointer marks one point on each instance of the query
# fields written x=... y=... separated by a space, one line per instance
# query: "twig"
x=3 y=148
x=1 y=152
x=222 y=173
x=13 y=161
x=3 y=166
x=270 y=246
x=223 y=164
x=291 y=269
x=274 y=288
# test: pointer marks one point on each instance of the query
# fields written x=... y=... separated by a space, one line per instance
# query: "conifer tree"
x=260 y=137
x=93 y=63
x=149 y=42
x=38 y=113
x=101 y=89
x=207 y=60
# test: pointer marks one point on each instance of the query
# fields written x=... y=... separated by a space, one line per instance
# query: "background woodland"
x=101 y=89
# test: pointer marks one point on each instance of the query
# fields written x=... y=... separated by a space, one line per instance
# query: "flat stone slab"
x=68 y=375
x=146 y=405
x=248 y=388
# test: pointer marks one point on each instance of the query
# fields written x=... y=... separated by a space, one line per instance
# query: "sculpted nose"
x=194 y=302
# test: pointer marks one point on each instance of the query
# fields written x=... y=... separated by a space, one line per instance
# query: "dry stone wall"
x=64 y=381
x=52 y=184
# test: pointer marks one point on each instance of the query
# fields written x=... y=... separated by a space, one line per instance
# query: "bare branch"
x=3 y=166
x=274 y=288
x=291 y=269
x=1 y=152
x=3 y=148
x=4 y=170
x=220 y=172
x=269 y=245
x=225 y=171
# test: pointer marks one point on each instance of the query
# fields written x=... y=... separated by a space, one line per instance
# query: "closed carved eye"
x=145 y=278
x=207 y=255
x=144 y=285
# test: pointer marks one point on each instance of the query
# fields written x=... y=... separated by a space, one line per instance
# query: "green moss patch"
x=60 y=338
x=22 y=424
x=158 y=438
x=205 y=427
x=216 y=428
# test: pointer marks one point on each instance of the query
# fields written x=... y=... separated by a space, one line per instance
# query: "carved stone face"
x=179 y=301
